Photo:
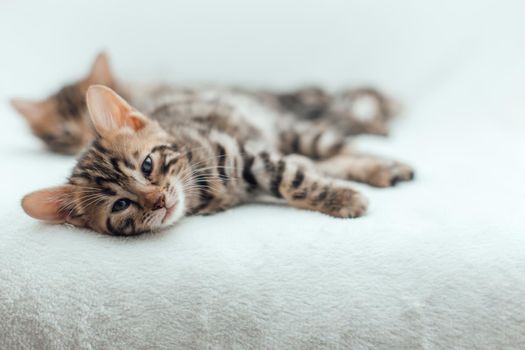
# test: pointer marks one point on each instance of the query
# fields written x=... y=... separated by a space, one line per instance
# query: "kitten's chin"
x=169 y=214
x=176 y=211
x=172 y=216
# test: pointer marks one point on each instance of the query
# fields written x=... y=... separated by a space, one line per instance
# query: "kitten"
x=61 y=120
x=200 y=153
x=62 y=123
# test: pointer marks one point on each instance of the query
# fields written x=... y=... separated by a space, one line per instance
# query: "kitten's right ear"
x=100 y=71
x=51 y=204
x=32 y=111
x=110 y=112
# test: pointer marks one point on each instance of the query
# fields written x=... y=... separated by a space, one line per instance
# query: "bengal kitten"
x=201 y=153
x=62 y=122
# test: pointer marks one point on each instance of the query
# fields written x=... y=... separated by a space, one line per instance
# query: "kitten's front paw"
x=346 y=203
x=387 y=175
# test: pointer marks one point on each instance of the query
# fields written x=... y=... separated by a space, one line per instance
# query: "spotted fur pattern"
x=210 y=150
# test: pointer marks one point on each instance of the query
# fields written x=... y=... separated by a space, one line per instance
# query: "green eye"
x=120 y=205
x=147 y=166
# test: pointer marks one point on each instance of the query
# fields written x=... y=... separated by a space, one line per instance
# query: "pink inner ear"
x=135 y=122
x=108 y=110
x=48 y=204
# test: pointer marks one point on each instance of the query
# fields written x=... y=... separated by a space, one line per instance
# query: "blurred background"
x=407 y=46
x=458 y=66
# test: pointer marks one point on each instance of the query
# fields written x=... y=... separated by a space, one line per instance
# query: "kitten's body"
x=202 y=152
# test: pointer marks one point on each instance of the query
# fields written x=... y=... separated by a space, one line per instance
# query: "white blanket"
x=436 y=264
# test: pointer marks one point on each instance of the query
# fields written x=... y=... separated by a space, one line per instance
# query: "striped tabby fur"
x=200 y=152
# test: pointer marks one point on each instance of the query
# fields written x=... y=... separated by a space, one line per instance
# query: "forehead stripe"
x=108 y=191
x=172 y=147
x=167 y=166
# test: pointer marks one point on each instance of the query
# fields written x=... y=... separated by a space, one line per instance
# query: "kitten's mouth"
x=169 y=212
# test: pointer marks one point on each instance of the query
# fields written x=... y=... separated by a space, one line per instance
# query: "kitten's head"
x=61 y=119
x=129 y=181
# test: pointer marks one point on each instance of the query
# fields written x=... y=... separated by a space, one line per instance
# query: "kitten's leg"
x=356 y=111
x=313 y=141
x=301 y=186
x=336 y=159
x=370 y=169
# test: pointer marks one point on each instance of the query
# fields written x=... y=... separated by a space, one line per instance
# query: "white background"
x=406 y=45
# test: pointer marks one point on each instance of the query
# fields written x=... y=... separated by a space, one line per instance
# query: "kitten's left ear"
x=101 y=71
x=51 y=204
x=110 y=112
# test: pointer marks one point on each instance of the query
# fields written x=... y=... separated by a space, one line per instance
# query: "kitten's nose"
x=157 y=200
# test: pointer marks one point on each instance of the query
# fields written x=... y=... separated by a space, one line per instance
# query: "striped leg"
x=300 y=186
x=361 y=110
x=372 y=170
x=313 y=141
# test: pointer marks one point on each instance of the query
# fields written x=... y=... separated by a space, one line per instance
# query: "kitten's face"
x=61 y=121
x=129 y=181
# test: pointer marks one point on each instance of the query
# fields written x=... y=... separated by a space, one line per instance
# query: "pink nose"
x=160 y=203
x=156 y=200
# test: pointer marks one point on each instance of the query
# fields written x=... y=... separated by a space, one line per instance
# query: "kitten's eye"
x=147 y=166
x=120 y=205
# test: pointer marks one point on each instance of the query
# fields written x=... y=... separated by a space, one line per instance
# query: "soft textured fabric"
x=438 y=263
